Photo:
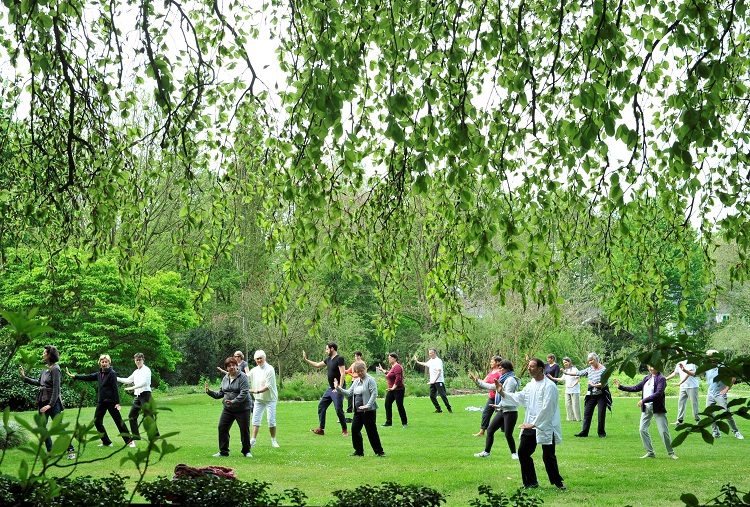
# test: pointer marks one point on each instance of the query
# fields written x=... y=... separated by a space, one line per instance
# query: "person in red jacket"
x=395 y=391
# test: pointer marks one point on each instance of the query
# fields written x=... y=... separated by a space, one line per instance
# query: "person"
x=395 y=390
x=263 y=388
x=541 y=425
x=48 y=397
x=235 y=392
x=505 y=409
x=552 y=369
x=107 y=400
x=688 y=389
x=572 y=390
x=489 y=379
x=597 y=395
x=437 y=380
x=334 y=364
x=241 y=363
x=653 y=405
x=717 y=395
x=364 y=390
x=141 y=387
x=350 y=371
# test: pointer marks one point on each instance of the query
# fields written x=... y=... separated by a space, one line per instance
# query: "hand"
x=498 y=386
x=117 y=407
x=527 y=426
x=472 y=376
x=220 y=369
x=415 y=357
x=682 y=366
x=640 y=403
x=67 y=372
x=132 y=388
x=21 y=371
x=362 y=408
x=616 y=382
x=205 y=386
x=44 y=409
x=304 y=355
x=335 y=383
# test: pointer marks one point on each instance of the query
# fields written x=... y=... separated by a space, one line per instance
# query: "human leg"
x=338 y=404
x=487 y=413
x=576 y=397
x=357 y=442
x=509 y=427
x=550 y=464
x=258 y=409
x=390 y=397
x=681 y=404
x=243 y=420
x=525 y=451
x=117 y=418
x=433 y=397
x=135 y=411
x=443 y=395
x=601 y=416
x=369 y=420
x=693 y=397
x=721 y=400
x=569 y=407
x=662 y=425
x=225 y=422
x=646 y=416
x=101 y=409
x=588 y=412
x=399 y=395
x=489 y=436
x=323 y=404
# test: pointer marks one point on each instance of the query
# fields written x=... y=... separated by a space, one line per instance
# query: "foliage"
x=93 y=310
x=520 y=498
x=388 y=494
x=732 y=337
x=210 y=490
x=17 y=395
x=730 y=496
x=12 y=435
x=75 y=491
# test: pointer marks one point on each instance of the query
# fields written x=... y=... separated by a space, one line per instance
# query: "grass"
x=437 y=450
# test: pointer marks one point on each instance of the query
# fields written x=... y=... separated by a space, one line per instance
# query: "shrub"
x=12 y=436
x=388 y=494
x=79 y=491
x=730 y=496
x=209 y=490
x=521 y=498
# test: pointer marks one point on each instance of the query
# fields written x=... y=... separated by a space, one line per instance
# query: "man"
x=263 y=388
x=688 y=389
x=552 y=369
x=717 y=395
x=335 y=365
x=141 y=387
x=541 y=425
x=437 y=380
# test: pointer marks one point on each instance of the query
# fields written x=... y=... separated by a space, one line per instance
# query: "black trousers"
x=505 y=421
x=487 y=412
x=366 y=419
x=102 y=408
x=439 y=388
x=225 y=423
x=526 y=449
x=591 y=401
x=50 y=414
x=396 y=395
x=331 y=396
x=135 y=410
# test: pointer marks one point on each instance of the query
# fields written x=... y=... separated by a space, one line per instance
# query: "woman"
x=242 y=365
x=107 y=399
x=394 y=377
x=48 y=398
x=506 y=410
x=572 y=390
x=364 y=391
x=597 y=395
x=235 y=390
x=489 y=379
x=653 y=405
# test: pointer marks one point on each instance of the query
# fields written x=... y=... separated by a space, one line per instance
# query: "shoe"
x=438 y=411
x=274 y=443
x=380 y=455
x=514 y=455
x=648 y=455
x=71 y=455
x=580 y=435
x=604 y=435
x=676 y=423
x=531 y=486
x=344 y=433
x=673 y=456
x=252 y=442
x=478 y=434
x=561 y=487
x=318 y=431
x=385 y=425
x=738 y=435
x=105 y=445
x=358 y=455
x=404 y=426
x=248 y=455
x=483 y=454
x=132 y=443
x=450 y=410
x=717 y=435
x=220 y=455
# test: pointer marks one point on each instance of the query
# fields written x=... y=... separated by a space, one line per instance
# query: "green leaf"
x=690 y=500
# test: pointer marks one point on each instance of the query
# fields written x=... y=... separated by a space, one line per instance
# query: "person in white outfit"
x=141 y=387
x=688 y=389
x=572 y=390
x=541 y=425
x=263 y=388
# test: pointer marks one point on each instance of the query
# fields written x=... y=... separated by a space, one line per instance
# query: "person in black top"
x=552 y=369
x=336 y=366
x=107 y=400
x=48 y=399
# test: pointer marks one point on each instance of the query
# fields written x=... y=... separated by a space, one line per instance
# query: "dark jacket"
x=107 y=389
x=49 y=386
x=658 y=398
x=237 y=391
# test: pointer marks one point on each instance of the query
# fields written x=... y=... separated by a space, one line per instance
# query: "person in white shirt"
x=541 y=425
x=572 y=390
x=263 y=388
x=688 y=389
x=437 y=380
x=141 y=387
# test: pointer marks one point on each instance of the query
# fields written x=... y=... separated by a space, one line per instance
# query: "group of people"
x=50 y=403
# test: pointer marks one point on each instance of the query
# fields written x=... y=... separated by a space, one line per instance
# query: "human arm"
x=398 y=373
x=314 y=364
x=341 y=390
x=372 y=391
x=27 y=380
x=417 y=361
x=214 y=394
x=126 y=380
x=631 y=389
x=660 y=385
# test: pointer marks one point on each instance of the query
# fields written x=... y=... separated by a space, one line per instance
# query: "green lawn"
x=437 y=450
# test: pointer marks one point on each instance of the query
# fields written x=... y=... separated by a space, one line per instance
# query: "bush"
x=389 y=494
x=79 y=491
x=521 y=498
x=210 y=490
x=12 y=436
